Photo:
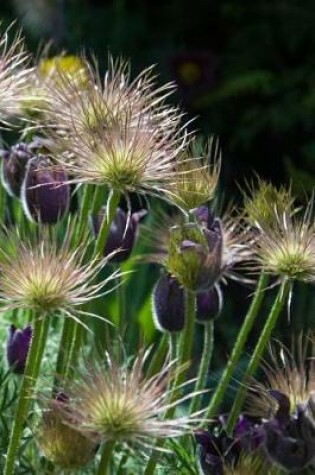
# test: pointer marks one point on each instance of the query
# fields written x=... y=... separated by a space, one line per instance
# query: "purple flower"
x=209 y=304
x=290 y=437
x=168 y=304
x=18 y=344
x=13 y=170
x=122 y=233
x=45 y=193
x=216 y=450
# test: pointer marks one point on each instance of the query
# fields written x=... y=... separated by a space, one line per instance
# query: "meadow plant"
x=103 y=371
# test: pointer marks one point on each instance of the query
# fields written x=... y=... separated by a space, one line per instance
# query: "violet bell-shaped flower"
x=122 y=233
x=168 y=307
x=45 y=192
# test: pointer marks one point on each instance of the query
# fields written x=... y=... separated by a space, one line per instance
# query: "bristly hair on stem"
x=116 y=402
x=42 y=274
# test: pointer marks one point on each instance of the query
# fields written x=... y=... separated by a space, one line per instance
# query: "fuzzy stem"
x=185 y=350
x=258 y=352
x=121 y=297
x=238 y=347
x=156 y=362
x=206 y=357
x=104 y=466
x=77 y=329
x=111 y=207
x=63 y=347
x=32 y=367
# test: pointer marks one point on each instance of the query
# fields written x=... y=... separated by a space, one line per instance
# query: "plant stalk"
x=258 y=352
x=238 y=348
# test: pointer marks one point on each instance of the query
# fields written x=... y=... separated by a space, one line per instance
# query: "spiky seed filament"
x=264 y=202
x=14 y=75
x=290 y=372
x=197 y=174
x=287 y=247
x=118 y=403
x=46 y=276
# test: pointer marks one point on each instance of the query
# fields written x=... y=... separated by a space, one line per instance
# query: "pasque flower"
x=13 y=167
x=122 y=232
x=45 y=192
x=168 y=306
x=18 y=343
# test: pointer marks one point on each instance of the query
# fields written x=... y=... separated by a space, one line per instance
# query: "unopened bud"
x=168 y=304
x=18 y=344
x=209 y=304
x=13 y=167
x=122 y=233
x=45 y=193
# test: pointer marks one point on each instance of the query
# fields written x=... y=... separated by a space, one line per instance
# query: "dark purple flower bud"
x=290 y=437
x=209 y=304
x=18 y=344
x=13 y=167
x=168 y=304
x=45 y=194
x=214 y=451
x=122 y=233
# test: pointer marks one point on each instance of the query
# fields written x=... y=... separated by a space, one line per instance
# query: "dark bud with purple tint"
x=209 y=304
x=290 y=437
x=13 y=167
x=18 y=344
x=122 y=233
x=168 y=304
x=45 y=193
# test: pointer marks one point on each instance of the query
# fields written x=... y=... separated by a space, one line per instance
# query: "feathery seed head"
x=45 y=275
x=61 y=444
x=287 y=247
x=265 y=202
x=118 y=403
x=289 y=378
x=14 y=75
x=197 y=175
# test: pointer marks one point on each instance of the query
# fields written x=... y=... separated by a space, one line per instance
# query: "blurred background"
x=245 y=70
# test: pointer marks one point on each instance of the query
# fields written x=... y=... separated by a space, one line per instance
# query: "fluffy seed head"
x=14 y=75
x=117 y=402
x=47 y=276
x=265 y=202
x=289 y=374
x=197 y=175
x=61 y=444
x=287 y=247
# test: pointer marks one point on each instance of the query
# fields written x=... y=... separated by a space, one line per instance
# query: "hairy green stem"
x=39 y=336
x=107 y=452
x=121 y=297
x=111 y=207
x=158 y=357
x=238 y=348
x=206 y=357
x=184 y=350
x=258 y=352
